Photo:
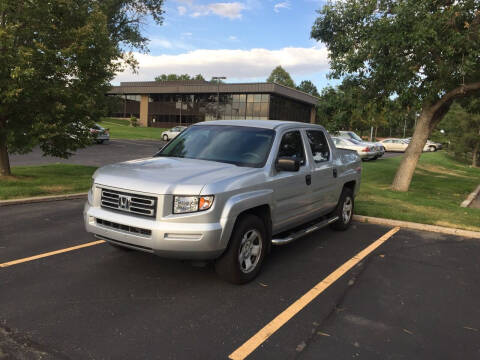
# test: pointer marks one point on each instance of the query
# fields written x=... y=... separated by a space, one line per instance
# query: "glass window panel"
x=257 y=109
x=318 y=145
x=242 y=98
x=228 y=109
x=236 y=109
x=250 y=98
x=264 y=110
x=265 y=97
x=292 y=146
x=249 y=111
x=257 y=98
x=235 y=98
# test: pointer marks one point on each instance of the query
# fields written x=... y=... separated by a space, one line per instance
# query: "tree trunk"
x=429 y=117
x=404 y=174
x=4 y=160
x=476 y=150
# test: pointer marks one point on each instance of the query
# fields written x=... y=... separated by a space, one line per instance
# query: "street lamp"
x=217 y=79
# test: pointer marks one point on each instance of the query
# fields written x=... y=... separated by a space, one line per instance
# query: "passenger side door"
x=292 y=204
x=325 y=189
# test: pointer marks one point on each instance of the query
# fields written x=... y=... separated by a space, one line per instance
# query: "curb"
x=471 y=197
x=39 y=199
x=417 y=226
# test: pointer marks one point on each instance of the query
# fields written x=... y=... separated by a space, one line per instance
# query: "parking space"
x=415 y=294
x=95 y=155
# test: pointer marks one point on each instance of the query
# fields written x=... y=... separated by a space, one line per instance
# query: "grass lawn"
x=439 y=186
x=57 y=179
x=121 y=129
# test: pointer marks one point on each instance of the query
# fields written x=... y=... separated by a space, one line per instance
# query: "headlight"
x=190 y=204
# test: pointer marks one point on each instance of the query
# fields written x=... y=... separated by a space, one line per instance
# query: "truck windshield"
x=238 y=145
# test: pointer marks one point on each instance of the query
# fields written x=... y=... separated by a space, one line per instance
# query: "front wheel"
x=344 y=210
x=243 y=259
x=432 y=148
x=165 y=137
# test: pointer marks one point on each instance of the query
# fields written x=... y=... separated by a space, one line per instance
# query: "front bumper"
x=168 y=239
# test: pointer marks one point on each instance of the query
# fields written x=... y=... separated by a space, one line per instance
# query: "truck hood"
x=163 y=175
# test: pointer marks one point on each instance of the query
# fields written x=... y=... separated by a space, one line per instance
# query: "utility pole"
x=218 y=79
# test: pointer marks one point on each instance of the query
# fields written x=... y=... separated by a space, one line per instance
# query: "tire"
x=432 y=148
x=346 y=200
x=232 y=266
x=165 y=137
x=100 y=141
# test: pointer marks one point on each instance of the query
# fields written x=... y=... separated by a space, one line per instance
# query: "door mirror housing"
x=287 y=164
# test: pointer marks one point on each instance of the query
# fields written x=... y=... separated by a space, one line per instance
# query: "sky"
x=243 y=40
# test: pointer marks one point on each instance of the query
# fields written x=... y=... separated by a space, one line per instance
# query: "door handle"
x=308 y=179
x=335 y=172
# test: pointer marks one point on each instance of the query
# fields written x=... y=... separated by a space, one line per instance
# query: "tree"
x=462 y=129
x=424 y=52
x=280 y=76
x=175 y=77
x=57 y=61
x=308 y=87
x=350 y=107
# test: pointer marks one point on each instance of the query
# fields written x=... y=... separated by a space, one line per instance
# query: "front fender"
x=239 y=203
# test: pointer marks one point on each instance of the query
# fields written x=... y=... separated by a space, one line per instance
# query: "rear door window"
x=319 y=145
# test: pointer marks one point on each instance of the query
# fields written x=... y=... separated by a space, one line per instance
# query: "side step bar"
x=300 y=233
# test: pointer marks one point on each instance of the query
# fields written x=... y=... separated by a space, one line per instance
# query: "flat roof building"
x=170 y=103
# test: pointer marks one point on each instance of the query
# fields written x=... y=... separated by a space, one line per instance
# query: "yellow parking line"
x=260 y=337
x=19 y=261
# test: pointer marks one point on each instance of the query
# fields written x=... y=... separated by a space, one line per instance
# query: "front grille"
x=128 y=202
x=130 y=229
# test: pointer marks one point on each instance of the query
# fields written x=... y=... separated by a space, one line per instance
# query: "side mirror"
x=287 y=164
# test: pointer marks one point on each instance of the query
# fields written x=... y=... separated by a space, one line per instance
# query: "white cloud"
x=232 y=38
x=182 y=10
x=281 y=5
x=236 y=64
x=230 y=10
x=160 y=43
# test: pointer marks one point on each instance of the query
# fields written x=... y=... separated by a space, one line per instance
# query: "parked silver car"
x=226 y=191
x=377 y=146
x=99 y=134
x=363 y=150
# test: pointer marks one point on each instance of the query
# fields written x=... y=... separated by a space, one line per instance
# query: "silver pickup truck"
x=226 y=191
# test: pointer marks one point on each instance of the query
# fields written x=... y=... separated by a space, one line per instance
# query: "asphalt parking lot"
x=414 y=297
x=96 y=155
x=113 y=151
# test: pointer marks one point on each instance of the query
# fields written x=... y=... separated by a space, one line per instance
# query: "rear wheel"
x=432 y=148
x=165 y=137
x=243 y=259
x=344 y=210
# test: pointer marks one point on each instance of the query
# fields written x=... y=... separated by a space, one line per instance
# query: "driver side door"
x=292 y=203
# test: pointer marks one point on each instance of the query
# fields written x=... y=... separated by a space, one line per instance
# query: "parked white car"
x=363 y=150
x=432 y=145
x=399 y=145
x=172 y=133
